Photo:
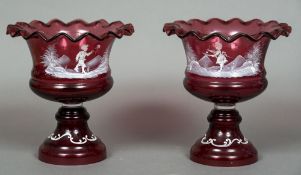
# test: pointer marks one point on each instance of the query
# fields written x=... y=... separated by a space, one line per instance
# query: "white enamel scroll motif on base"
x=228 y=142
x=57 y=66
x=67 y=134
x=215 y=62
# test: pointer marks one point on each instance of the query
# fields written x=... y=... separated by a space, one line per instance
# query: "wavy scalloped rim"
x=204 y=30
x=99 y=29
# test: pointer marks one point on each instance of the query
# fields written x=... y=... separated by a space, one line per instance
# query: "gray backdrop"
x=148 y=120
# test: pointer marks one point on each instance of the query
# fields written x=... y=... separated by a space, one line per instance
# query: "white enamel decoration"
x=68 y=135
x=228 y=142
x=240 y=66
x=56 y=65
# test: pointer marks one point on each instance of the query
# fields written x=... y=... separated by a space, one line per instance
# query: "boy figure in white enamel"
x=81 y=57
x=219 y=55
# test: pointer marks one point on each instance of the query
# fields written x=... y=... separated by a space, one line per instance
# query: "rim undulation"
x=254 y=29
x=74 y=30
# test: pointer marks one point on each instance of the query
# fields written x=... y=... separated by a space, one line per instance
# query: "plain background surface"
x=148 y=120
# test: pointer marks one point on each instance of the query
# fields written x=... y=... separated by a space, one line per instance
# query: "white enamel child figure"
x=81 y=57
x=219 y=55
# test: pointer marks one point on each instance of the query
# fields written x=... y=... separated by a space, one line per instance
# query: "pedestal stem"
x=224 y=144
x=72 y=142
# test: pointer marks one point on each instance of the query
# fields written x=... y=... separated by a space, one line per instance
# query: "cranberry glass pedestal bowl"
x=225 y=65
x=71 y=66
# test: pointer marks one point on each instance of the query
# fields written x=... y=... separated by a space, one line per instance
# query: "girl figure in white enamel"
x=81 y=57
x=219 y=55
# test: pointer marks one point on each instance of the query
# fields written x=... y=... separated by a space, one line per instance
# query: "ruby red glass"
x=225 y=65
x=71 y=66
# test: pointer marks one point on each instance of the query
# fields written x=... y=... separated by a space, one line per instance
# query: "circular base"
x=72 y=155
x=235 y=155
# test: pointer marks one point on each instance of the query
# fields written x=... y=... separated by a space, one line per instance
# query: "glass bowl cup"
x=71 y=66
x=225 y=65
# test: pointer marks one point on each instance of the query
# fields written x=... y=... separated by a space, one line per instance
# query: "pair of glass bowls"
x=225 y=65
